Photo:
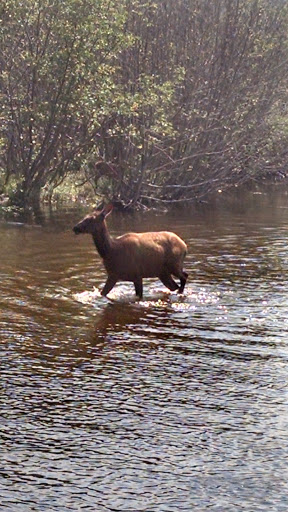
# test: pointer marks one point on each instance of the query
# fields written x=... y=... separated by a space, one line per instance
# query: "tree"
x=226 y=65
x=57 y=61
x=149 y=101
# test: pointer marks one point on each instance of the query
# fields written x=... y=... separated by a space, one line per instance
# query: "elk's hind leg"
x=183 y=278
x=169 y=282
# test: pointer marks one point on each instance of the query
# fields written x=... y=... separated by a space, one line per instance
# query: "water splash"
x=88 y=296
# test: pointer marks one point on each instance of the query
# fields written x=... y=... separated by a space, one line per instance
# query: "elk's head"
x=93 y=222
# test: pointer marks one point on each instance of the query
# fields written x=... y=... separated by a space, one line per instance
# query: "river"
x=173 y=403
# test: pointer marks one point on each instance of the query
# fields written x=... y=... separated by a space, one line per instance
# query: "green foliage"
x=54 y=59
x=176 y=98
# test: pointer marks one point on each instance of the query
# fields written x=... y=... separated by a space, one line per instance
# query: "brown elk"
x=134 y=256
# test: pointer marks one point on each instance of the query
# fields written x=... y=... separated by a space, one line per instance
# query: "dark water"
x=175 y=403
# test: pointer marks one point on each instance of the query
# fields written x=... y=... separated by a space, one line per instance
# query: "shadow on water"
x=166 y=404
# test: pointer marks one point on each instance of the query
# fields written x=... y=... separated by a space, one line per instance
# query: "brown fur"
x=134 y=256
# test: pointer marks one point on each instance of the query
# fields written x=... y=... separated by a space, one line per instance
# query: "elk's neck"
x=103 y=242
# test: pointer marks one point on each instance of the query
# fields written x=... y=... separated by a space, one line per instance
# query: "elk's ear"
x=99 y=207
x=107 y=209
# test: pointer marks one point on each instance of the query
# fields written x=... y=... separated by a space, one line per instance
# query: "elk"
x=134 y=256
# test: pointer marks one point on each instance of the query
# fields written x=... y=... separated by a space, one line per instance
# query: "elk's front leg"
x=138 y=284
x=110 y=283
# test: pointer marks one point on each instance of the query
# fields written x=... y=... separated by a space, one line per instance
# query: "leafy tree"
x=57 y=61
x=148 y=101
x=230 y=60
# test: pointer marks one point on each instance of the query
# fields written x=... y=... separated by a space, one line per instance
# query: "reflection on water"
x=173 y=403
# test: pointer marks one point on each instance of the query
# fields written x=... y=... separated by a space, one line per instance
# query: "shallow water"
x=173 y=403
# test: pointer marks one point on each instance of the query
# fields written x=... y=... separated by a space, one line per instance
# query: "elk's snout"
x=77 y=230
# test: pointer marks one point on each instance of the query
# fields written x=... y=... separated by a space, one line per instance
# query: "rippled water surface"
x=173 y=403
